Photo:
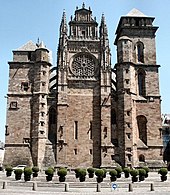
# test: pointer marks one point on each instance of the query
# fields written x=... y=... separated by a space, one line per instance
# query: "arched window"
x=142 y=127
x=141 y=158
x=52 y=125
x=140 y=52
x=141 y=82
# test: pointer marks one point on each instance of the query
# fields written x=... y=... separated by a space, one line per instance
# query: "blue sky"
x=24 y=20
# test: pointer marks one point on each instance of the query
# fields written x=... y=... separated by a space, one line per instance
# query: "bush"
x=146 y=169
x=163 y=171
x=118 y=169
x=35 y=169
x=49 y=171
x=99 y=173
x=90 y=170
x=113 y=172
x=134 y=172
x=8 y=168
x=126 y=170
x=62 y=172
x=82 y=172
x=105 y=171
x=77 y=172
x=18 y=171
x=142 y=172
x=27 y=171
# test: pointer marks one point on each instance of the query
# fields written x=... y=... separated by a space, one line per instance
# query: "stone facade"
x=81 y=116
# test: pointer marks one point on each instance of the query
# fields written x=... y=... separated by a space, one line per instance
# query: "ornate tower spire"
x=104 y=41
x=103 y=27
x=63 y=25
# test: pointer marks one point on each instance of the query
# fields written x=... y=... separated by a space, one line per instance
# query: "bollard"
x=34 y=187
x=66 y=187
x=98 y=187
x=130 y=188
x=4 y=185
x=152 y=187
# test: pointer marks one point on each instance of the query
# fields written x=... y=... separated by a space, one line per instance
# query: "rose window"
x=83 y=66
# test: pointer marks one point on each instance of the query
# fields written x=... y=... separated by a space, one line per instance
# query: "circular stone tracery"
x=83 y=65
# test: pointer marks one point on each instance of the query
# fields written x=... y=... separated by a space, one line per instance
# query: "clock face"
x=83 y=65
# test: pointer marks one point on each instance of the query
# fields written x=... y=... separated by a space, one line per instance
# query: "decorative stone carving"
x=83 y=65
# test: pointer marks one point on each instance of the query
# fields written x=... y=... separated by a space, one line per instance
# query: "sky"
x=24 y=20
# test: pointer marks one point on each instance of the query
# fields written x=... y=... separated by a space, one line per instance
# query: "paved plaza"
x=89 y=187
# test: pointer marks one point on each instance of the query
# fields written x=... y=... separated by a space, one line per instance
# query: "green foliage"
x=18 y=171
x=82 y=172
x=27 y=171
x=77 y=170
x=105 y=171
x=8 y=168
x=35 y=169
x=142 y=172
x=62 y=172
x=163 y=171
x=49 y=171
x=90 y=170
x=126 y=170
x=146 y=169
x=134 y=172
x=118 y=169
x=99 y=173
x=113 y=172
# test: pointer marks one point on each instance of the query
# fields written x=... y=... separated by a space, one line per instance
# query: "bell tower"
x=138 y=102
x=83 y=101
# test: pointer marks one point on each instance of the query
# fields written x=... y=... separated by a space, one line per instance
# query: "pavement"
x=39 y=186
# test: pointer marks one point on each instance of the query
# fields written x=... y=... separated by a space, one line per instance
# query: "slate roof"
x=135 y=12
x=29 y=46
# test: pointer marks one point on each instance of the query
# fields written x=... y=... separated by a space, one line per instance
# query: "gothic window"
x=83 y=65
x=141 y=82
x=142 y=128
x=52 y=126
x=140 y=52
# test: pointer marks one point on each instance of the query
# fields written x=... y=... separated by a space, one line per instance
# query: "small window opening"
x=42 y=113
x=141 y=158
x=75 y=151
x=42 y=104
x=128 y=113
x=13 y=105
x=90 y=152
x=128 y=135
x=42 y=123
x=75 y=129
x=24 y=86
x=90 y=130
x=29 y=56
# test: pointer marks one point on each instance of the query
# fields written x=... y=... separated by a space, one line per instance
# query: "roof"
x=135 y=12
x=29 y=46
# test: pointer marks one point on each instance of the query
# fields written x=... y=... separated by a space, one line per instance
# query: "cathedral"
x=86 y=111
